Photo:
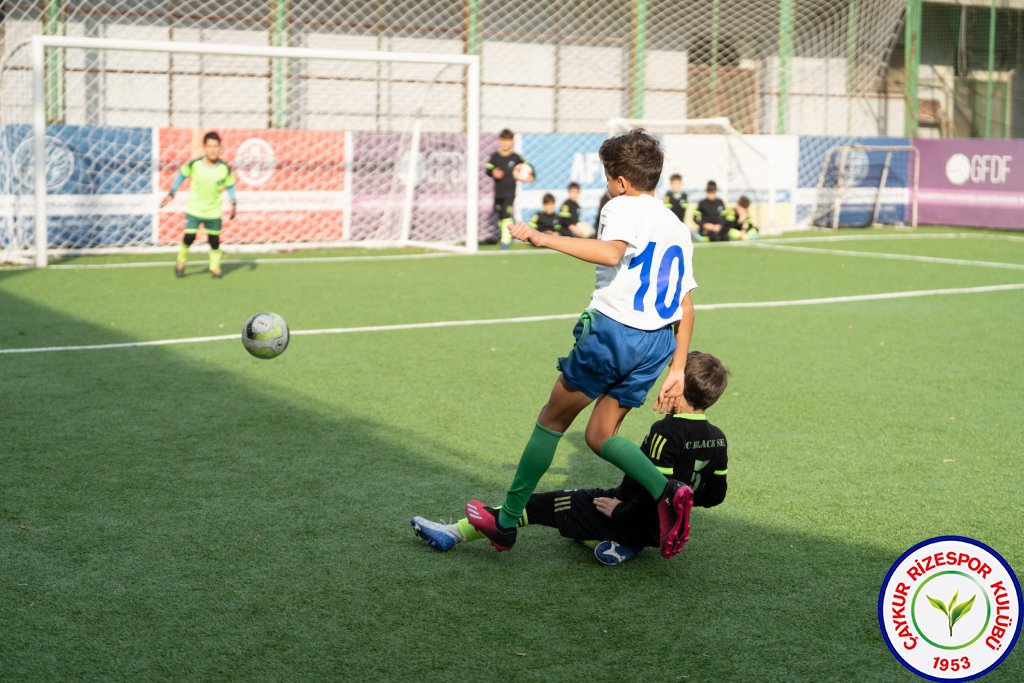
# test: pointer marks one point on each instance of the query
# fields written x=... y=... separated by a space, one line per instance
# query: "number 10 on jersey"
x=645 y=261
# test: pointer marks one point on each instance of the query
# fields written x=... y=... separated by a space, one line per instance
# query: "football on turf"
x=265 y=335
x=523 y=173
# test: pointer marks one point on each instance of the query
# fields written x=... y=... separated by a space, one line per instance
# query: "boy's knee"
x=595 y=438
x=555 y=422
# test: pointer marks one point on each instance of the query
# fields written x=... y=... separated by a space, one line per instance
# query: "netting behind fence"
x=559 y=69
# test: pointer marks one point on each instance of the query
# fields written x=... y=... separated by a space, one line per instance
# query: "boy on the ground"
x=625 y=519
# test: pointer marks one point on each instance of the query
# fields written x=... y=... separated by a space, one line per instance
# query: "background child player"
x=569 y=213
x=640 y=316
x=709 y=215
x=500 y=167
x=737 y=222
x=684 y=444
x=675 y=198
x=209 y=176
x=546 y=220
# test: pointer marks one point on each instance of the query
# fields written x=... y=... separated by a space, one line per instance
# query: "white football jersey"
x=645 y=289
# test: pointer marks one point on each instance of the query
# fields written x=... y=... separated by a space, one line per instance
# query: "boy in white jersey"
x=640 y=317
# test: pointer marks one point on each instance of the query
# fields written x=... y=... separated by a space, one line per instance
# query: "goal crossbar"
x=40 y=43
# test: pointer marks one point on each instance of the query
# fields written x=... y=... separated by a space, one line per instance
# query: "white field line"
x=296 y=259
x=519 y=252
x=893 y=257
x=534 y=318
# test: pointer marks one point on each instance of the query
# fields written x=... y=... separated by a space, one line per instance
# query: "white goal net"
x=794 y=78
x=867 y=185
x=327 y=146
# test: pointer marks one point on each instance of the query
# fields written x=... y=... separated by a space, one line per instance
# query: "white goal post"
x=857 y=177
x=452 y=116
x=714 y=126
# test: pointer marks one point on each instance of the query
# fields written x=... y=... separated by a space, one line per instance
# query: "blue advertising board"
x=557 y=160
x=99 y=183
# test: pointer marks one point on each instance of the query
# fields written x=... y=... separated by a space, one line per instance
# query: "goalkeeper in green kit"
x=210 y=175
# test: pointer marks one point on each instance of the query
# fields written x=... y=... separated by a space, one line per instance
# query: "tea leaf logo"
x=953 y=611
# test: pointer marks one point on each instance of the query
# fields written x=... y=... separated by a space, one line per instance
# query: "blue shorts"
x=615 y=359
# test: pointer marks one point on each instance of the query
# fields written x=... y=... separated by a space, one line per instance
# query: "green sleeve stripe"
x=656 y=445
x=721 y=472
x=664 y=470
x=490 y=165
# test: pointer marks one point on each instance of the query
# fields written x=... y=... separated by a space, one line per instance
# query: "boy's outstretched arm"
x=671 y=393
x=598 y=252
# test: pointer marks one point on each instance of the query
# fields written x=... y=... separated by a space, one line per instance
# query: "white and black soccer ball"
x=265 y=335
x=523 y=173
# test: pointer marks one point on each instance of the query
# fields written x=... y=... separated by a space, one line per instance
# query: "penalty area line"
x=882 y=296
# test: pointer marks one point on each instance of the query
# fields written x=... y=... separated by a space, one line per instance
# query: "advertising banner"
x=557 y=160
x=99 y=182
x=972 y=182
x=290 y=183
x=380 y=166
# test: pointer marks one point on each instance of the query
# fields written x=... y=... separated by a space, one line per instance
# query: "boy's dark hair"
x=506 y=134
x=675 y=176
x=744 y=202
x=548 y=198
x=574 y=186
x=705 y=381
x=212 y=135
x=636 y=156
x=712 y=186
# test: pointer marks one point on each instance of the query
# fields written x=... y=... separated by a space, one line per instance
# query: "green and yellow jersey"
x=207 y=181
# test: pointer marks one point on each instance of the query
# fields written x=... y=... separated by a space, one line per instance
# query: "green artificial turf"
x=189 y=512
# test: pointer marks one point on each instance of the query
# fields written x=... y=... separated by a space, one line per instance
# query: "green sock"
x=506 y=235
x=215 y=259
x=628 y=457
x=535 y=461
x=183 y=252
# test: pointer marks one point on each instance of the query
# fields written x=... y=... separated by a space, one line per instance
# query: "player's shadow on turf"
x=228 y=267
